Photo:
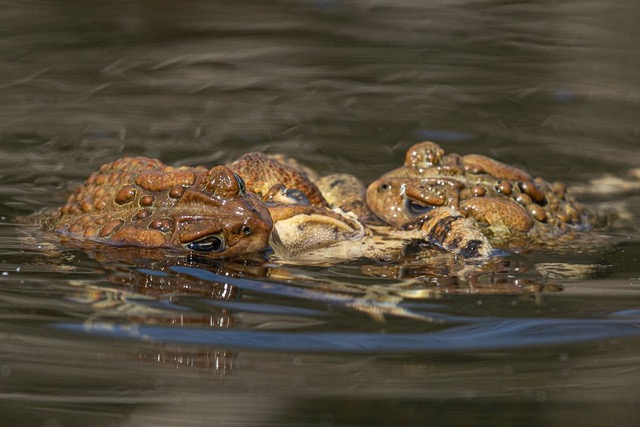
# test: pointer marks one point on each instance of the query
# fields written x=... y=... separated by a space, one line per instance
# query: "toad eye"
x=296 y=196
x=241 y=185
x=416 y=209
x=214 y=243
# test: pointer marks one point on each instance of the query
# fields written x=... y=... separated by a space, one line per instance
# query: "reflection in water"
x=222 y=305
x=211 y=361
x=490 y=334
x=150 y=295
x=198 y=301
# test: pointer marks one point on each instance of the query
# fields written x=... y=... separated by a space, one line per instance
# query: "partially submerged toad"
x=143 y=202
x=465 y=205
x=504 y=202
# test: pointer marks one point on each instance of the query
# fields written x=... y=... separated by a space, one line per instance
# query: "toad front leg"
x=448 y=229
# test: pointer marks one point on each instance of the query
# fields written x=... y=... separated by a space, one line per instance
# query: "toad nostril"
x=246 y=230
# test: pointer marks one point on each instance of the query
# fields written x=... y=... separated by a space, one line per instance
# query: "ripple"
x=489 y=335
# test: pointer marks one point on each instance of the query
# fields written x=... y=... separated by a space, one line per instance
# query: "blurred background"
x=343 y=84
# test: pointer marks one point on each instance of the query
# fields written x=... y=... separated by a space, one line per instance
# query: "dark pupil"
x=416 y=208
x=240 y=182
x=208 y=244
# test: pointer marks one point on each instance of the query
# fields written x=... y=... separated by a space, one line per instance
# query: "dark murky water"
x=129 y=338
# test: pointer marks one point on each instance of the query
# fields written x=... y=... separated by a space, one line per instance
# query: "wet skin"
x=143 y=202
x=305 y=228
x=330 y=219
x=460 y=204
x=504 y=202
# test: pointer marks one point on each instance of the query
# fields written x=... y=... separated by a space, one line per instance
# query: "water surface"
x=131 y=338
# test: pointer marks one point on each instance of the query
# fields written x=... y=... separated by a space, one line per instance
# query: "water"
x=122 y=337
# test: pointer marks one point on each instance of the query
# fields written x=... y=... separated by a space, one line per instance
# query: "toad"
x=465 y=205
x=137 y=201
x=328 y=220
x=504 y=202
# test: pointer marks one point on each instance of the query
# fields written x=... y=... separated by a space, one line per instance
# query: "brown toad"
x=305 y=228
x=143 y=202
x=504 y=202
x=459 y=204
x=328 y=220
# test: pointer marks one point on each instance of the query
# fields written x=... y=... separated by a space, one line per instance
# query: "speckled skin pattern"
x=505 y=202
x=465 y=205
x=269 y=176
x=303 y=221
x=307 y=225
x=143 y=202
